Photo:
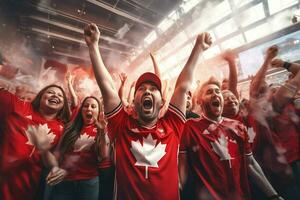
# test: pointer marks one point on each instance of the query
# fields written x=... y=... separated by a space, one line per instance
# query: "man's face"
x=147 y=102
x=211 y=101
x=231 y=104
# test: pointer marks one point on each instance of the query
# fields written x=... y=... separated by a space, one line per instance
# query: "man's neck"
x=147 y=124
x=213 y=118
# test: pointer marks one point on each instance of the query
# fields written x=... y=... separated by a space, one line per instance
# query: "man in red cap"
x=146 y=148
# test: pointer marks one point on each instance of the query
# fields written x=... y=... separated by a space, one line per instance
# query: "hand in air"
x=91 y=34
x=229 y=56
x=204 y=40
x=277 y=63
x=70 y=77
x=101 y=123
x=271 y=52
x=123 y=77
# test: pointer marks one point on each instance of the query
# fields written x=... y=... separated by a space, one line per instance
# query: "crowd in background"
x=155 y=141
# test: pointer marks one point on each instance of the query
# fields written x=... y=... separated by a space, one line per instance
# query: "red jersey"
x=146 y=159
x=247 y=122
x=285 y=125
x=81 y=161
x=20 y=163
x=216 y=154
x=107 y=162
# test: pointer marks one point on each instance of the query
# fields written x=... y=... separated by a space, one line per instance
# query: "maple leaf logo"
x=221 y=149
x=39 y=136
x=84 y=142
x=251 y=135
x=147 y=154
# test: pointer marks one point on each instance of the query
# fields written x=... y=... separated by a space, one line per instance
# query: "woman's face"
x=90 y=111
x=52 y=100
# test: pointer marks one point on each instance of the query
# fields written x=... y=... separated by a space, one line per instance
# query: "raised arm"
x=74 y=98
x=185 y=78
x=104 y=79
x=155 y=66
x=289 y=90
x=130 y=96
x=233 y=77
x=260 y=75
x=123 y=78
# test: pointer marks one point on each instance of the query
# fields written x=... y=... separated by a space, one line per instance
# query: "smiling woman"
x=22 y=124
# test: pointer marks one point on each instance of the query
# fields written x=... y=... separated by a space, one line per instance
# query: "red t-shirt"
x=81 y=162
x=20 y=163
x=247 y=122
x=216 y=154
x=107 y=162
x=284 y=125
x=146 y=159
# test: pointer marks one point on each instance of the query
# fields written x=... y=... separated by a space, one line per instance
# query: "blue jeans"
x=76 y=190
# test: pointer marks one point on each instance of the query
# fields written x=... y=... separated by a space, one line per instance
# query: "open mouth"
x=89 y=115
x=147 y=103
x=53 y=101
x=216 y=103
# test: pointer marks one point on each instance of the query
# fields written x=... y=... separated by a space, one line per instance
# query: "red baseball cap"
x=148 y=77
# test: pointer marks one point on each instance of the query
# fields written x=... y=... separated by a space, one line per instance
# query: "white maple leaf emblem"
x=281 y=151
x=251 y=135
x=84 y=142
x=206 y=132
x=39 y=136
x=221 y=149
x=212 y=127
x=147 y=154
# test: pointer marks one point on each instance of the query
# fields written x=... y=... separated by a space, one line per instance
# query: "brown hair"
x=63 y=114
x=72 y=129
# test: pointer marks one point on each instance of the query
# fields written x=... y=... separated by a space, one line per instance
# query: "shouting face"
x=211 y=101
x=90 y=111
x=147 y=102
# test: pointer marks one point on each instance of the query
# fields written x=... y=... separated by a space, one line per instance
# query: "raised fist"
x=91 y=34
x=272 y=52
x=277 y=63
x=228 y=55
x=101 y=124
x=70 y=77
x=204 y=40
x=123 y=77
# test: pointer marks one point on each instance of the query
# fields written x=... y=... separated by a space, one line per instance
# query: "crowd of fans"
x=158 y=141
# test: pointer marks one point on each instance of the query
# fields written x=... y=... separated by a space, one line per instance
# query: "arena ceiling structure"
x=130 y=29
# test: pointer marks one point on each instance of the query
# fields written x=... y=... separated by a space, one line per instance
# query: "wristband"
x=287 y=65
x=274 y=196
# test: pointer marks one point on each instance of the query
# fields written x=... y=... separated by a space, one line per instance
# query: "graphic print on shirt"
x=147 y=154
x=220 y=147
x=251 y=135
x=84 y=143
x=41 y=134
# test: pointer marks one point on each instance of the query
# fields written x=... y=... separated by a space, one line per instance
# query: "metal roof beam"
x=78 y=30
x=119 y=12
